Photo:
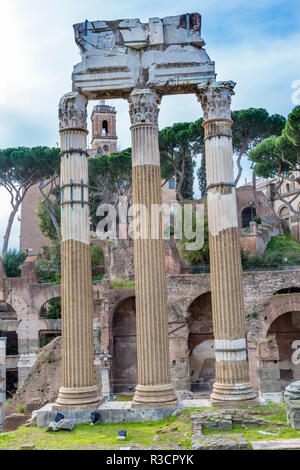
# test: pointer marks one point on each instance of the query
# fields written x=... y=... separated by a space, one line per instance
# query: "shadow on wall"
x=200 y=344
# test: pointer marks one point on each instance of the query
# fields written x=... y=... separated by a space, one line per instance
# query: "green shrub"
x=12 y=260
x=48 y=266
x=46 y=338
x=97 y=256
x=21 y=409
x=53 y=309
x=287 y=246
x=122 y=284
x=260 y=260
x=257 y=219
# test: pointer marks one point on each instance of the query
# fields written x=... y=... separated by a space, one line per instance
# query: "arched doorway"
x=51 y=311
x=200 y=344
x=286 y=329
x=8 y=330
x=124 y=361
x=284 y=214
x=247 y=216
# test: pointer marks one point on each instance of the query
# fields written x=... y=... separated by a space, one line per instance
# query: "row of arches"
x=282 y=321
x=201 y=361
x=9 y=324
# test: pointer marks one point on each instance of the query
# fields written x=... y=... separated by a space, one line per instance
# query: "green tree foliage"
x=280 y=157
x=12 y=260
x=251 y=126
x=201 y=174
x=46 y=221
x=178 y=145
x=53 y=308
x=21 y=168
x=48 y=266
x=97 y=256
x=109 y=180
x=281 y=249
x=196 y=257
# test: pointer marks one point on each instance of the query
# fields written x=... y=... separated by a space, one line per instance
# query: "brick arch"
x=208 y=291
x=42 y=293
x=200 y=344
x=123 y=347
x=116 y=305
x=278 y=305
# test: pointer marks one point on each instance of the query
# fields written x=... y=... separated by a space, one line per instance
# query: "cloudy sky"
x=256 y=44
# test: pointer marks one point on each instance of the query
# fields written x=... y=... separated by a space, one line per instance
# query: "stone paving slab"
x=279 y=444
x=117 y=405
x=115 y=412
x=196 y=403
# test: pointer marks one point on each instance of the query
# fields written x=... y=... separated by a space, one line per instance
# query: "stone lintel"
x=165 y=54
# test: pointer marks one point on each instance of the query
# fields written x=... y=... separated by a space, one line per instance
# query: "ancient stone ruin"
x=142 y=63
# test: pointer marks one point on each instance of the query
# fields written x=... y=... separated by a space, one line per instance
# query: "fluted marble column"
x=232 y=384
x=2 y=379
x=78 y=388
x=154 y=387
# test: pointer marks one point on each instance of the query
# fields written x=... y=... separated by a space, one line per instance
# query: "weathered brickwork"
x=189 y=317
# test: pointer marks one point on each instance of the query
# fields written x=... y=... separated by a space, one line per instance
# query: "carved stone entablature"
x=166 y=54
x=72 y=111
x=143 y=106
x=215 y=99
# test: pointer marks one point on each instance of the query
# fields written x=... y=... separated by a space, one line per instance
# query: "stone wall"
x=190 y=326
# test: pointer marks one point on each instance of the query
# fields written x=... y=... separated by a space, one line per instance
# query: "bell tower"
x=104 y=137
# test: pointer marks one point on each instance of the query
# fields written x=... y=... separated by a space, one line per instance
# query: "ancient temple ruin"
x=142 y=62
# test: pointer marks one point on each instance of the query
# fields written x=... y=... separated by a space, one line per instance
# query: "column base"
x=77 y=398
x=233 y=395
x=154 y=396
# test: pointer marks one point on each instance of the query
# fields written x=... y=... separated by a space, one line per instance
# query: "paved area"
x=121 y=405
x=279 y=444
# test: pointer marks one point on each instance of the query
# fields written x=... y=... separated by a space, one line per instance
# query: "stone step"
x=13 y=421
x=278 y=444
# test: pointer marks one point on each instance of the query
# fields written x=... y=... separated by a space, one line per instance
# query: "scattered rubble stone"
x=293 y=413
x=65 y=424
x=217 y=442
x=27 y=446
x=292 y=391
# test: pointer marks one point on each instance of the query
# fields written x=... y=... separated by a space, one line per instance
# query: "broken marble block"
x=292 y=391
x=52 y=427
x=228 y=442
x=65 y=424
x=293 y=413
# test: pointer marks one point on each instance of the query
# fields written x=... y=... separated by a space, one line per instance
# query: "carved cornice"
x=143 y=106
x=215 y=99
x=72 y=111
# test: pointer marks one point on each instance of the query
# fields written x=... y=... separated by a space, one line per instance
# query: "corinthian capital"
x=143 y=106
x=72 y=111
x=215 y=99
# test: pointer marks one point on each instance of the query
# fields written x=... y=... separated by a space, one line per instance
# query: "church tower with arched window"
x=104 y=136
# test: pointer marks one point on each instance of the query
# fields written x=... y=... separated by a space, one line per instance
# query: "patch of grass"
x=123 y=397
x=98 y=277
x=174 y=432
x=100 y=436
x=21 y=409
x=277 y=415
x=122 y=284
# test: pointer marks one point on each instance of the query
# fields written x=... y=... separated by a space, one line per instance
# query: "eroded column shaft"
x=2 y=379
x=232 y=373
x=154 y=387
x=78 y=388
